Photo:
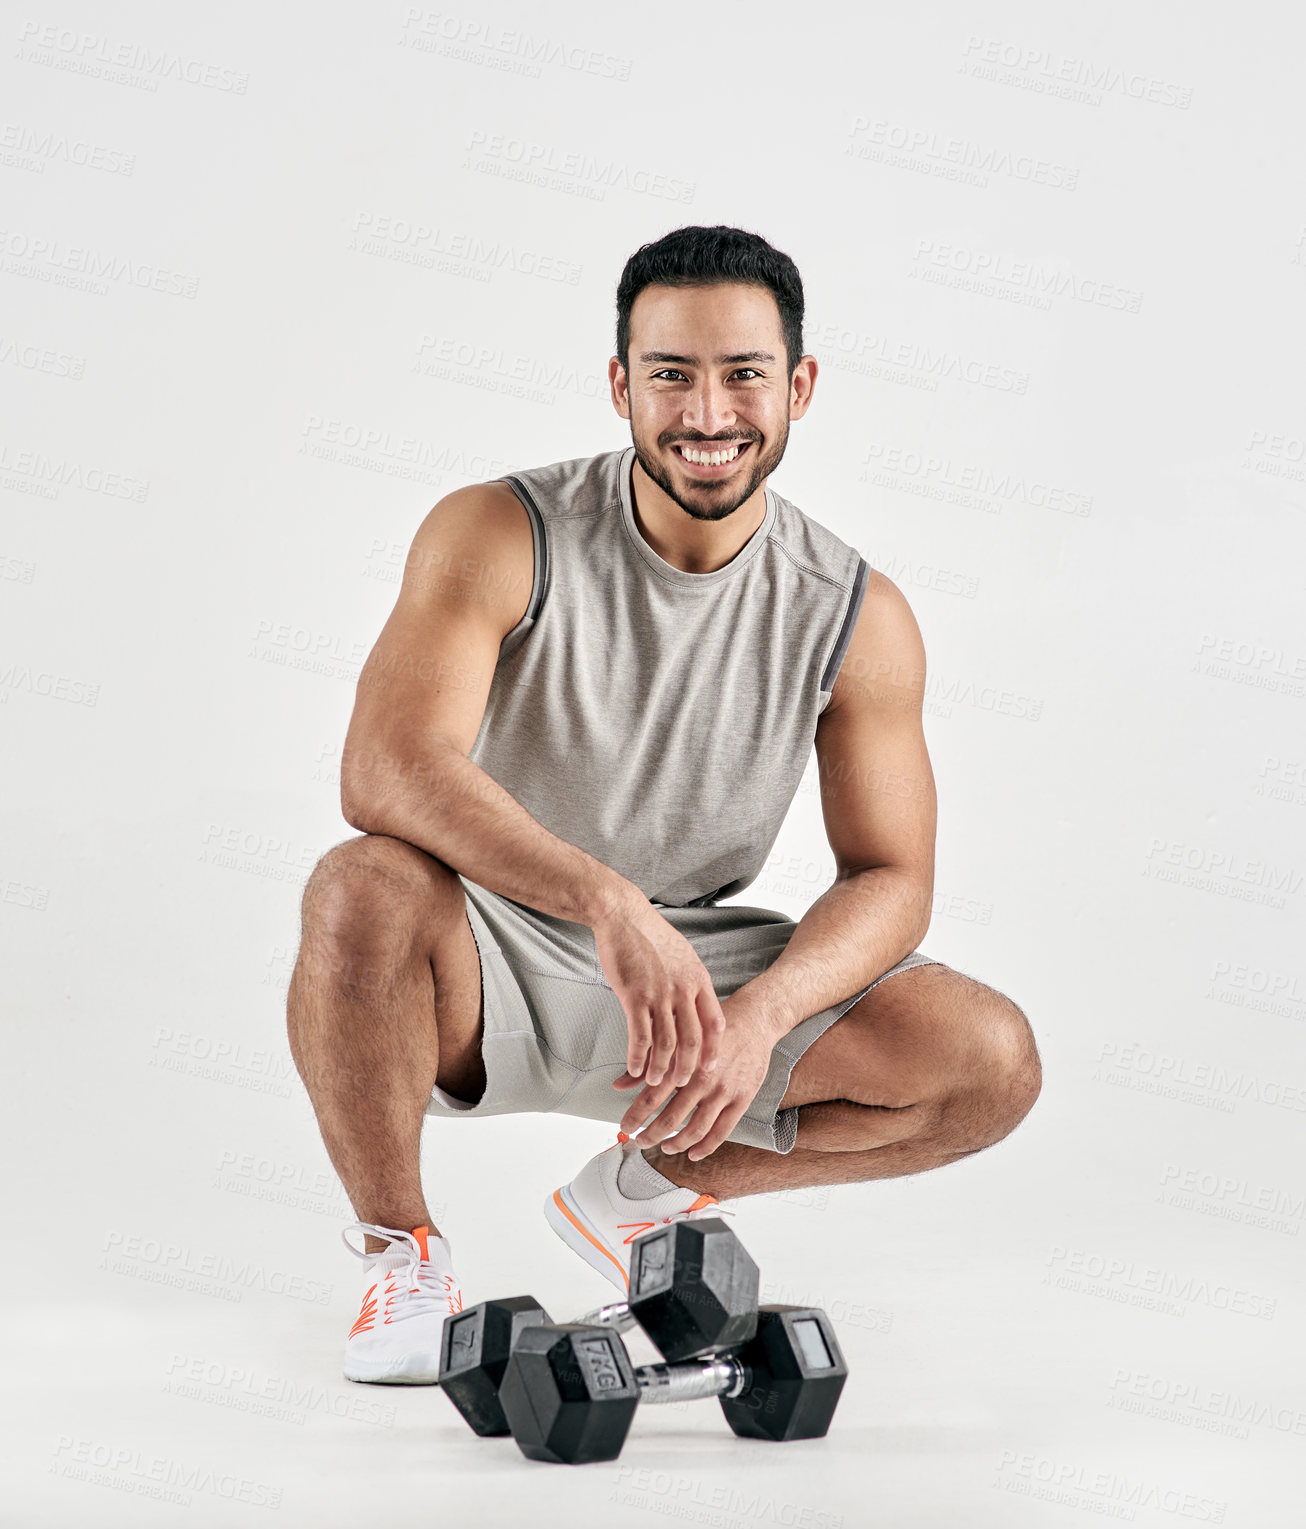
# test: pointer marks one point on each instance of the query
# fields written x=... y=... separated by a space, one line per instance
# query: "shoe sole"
x=582 y=1237
x=373 y=1376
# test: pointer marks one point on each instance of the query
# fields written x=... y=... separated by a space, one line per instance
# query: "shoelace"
x=417 y=1288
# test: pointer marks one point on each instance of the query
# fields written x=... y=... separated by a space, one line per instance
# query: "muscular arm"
x=880 y=811
x=405 y=772
x=420 y=702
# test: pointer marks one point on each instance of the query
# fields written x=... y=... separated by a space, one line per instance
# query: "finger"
x=664 y=1043
x=711 y=1103
x=639 y=1024
x=664 y=1114
x=627 y=1081
x=689 y=1041
x=726 y=1122
x=712 y=1026
x=642 y=1131
x=674 y=1115
x=645 y=1105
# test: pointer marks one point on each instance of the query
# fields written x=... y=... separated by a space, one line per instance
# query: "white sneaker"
x=411 y=1289
x=598 y=1222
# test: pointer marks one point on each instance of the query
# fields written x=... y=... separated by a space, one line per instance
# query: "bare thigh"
x=394 y=923
x=924 y=1034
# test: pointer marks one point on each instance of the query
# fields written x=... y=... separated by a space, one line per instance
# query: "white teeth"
x=710 y=458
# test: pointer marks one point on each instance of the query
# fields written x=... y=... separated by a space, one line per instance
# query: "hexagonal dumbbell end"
x=569 y=1394
x=796 y=1373
x=693 y=1288
x=474 y=1351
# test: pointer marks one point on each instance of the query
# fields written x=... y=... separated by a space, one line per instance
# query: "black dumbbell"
x=693 y=1290
x=569 y=1392
x=474 y=1349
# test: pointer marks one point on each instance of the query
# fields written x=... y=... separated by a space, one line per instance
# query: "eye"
x=668 y=371
x=751 y=369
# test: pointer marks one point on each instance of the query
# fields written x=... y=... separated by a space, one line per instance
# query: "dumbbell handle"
x=618 y=1316
x=687 y=1381
x=722 y=1375
x=717 y=1375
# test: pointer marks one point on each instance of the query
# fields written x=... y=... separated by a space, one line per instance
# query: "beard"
x=713 y=501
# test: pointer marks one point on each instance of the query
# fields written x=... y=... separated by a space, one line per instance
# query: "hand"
x=673 y=1016
x=717 y=1098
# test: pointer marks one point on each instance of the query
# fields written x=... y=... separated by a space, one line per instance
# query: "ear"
x=620 y=385
x=802 y=386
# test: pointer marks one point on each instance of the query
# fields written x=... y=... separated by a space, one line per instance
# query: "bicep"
x=427 y=678
x=876 y=781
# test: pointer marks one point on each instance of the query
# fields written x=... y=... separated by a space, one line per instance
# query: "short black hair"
x=695 y=257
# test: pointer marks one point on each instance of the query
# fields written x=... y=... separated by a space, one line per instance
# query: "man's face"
x=708 y=374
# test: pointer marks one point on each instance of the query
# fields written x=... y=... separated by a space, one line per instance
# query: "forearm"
x=852 y=933
x=448 y=806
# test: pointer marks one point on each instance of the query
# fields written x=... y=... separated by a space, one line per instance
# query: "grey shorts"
x=555 y=1032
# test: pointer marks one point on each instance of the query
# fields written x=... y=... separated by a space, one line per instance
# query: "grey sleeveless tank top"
x=657 y=719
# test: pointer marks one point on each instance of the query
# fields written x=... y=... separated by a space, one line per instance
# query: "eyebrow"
x=665 y=357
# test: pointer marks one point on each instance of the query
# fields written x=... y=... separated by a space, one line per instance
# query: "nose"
x=708 y=409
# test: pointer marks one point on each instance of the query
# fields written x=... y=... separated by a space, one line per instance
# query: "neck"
x=687 y=543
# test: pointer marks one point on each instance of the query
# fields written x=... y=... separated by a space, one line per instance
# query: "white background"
x=268 y=276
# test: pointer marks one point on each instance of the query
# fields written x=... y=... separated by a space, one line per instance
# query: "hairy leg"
x=928 y=1067
x=384 y=1002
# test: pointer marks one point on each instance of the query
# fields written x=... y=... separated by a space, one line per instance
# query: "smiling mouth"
x=708 y=460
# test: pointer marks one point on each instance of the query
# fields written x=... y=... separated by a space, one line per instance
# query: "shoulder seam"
x=807 y=567
x=541 y=545
x=845 y=636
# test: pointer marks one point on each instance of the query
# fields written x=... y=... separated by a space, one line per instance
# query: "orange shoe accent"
x=562 y=1206
x=640 y=1226
x=703 y=1201
x=367 y=1315
x=420 y=1232
x=390 y=1293
x=621 y=1136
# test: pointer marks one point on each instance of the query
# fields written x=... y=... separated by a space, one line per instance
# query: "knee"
x=1004 y=1081
x=1017 y=1060
x=370 y=893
